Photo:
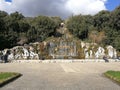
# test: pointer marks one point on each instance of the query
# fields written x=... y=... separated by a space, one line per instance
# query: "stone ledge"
x=63 y=61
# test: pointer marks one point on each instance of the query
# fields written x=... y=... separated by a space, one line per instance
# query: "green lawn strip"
x=6 y=77
x=114 y=75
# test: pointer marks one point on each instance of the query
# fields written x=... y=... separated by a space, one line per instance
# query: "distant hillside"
x=102 y=28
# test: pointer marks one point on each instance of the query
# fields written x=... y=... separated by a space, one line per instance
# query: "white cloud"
x=63 y=8
x=86 y=6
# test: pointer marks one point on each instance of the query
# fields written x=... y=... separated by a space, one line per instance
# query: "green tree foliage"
x=42 y=27
x=115 y=19
x=104 y=21
x=79 y=25
x=2 y=21
x=15 y=29
x=101 y=20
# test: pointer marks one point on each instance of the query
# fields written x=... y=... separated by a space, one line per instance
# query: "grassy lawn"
x=114 y=75
x=6 y=77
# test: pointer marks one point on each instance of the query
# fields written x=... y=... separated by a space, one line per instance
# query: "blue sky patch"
x=112 y=4
x=8 y=0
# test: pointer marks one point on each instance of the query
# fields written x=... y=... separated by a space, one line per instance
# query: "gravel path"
x=61 y=76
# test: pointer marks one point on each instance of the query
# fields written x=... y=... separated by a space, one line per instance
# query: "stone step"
x=63 y=61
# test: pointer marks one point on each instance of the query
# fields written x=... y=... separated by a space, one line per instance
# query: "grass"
x=6 y=77
x=114 y=75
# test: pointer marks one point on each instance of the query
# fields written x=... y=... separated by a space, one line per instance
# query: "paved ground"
x=61 y=76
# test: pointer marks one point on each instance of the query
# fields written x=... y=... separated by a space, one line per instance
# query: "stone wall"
x=36 y=50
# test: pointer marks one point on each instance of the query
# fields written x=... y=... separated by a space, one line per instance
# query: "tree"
x=103 y=27
x=79 y=25
x=16 y=16
x=57 y=21
x=117 y=43
x=97 y=37
x=23 y=26
x=93 y=36
x=115 y=19
x=3 y=14
x=45 y=27
x=101 y=20
x=2 y=20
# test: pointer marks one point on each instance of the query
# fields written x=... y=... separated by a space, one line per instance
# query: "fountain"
x=61 y=47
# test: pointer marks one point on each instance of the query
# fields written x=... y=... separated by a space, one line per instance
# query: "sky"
x=62 y=8
x=112 y=4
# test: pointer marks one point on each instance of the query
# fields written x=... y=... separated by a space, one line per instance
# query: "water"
x=62 y=49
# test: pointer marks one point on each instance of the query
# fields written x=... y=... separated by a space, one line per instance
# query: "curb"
x=10 y=80
x=111 y=78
